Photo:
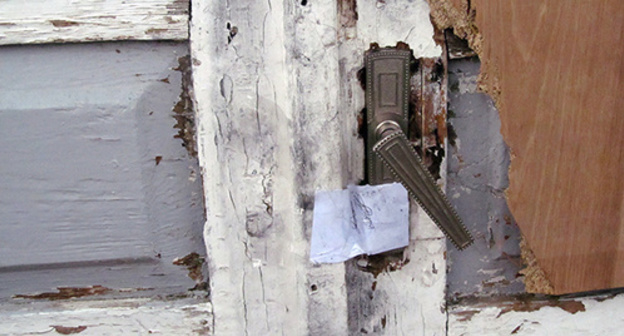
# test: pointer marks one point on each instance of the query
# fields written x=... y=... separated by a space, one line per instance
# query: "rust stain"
x=184 y=109
x=164 y=80
x=63 y=23
x=67 y=293
x=68 y=330
x=158 y=159
x=194 y=263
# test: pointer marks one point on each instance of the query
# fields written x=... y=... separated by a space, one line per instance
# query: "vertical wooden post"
x=278 y=99
x=270 y=134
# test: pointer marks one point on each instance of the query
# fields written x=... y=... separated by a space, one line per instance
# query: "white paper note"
x=359 y=220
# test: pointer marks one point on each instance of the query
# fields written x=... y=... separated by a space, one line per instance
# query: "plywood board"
x=556 y=71
x=57 y=21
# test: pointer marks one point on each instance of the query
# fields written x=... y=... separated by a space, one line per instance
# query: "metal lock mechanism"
x=390 y=157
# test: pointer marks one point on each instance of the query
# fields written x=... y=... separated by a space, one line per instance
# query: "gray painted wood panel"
x=477 y=179
x=96 y=187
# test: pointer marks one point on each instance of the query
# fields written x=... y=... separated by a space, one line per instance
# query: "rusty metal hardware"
x=390 y=156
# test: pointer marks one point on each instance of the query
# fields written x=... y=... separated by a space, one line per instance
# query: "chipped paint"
x=189 y=316
x=63 y=330
x=64 y=293
x=347 y=17
x=477 y=178
x=538 y=315
x=194 y=264
x=67 y=293
x=63 y=23
x=184 y=112
x=58 y=21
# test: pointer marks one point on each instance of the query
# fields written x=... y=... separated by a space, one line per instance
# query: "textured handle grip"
x=397 y=153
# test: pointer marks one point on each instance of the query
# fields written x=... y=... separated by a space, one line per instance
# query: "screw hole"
x=304 y=2
x=313 y=288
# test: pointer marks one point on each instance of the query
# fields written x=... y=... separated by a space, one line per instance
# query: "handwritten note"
x=359 y=220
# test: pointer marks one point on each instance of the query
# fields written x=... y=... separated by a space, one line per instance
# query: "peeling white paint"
x=264 y=149
x=55 y=21
x=277 y=110
x=601 y=317
x=388 y=22
x=109 y=317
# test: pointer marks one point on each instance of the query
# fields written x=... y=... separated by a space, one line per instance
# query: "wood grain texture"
x=278 y=100
x=57 y=21
x=138 y=316
x=266 y=143
x=556 y=71
x=590 y=315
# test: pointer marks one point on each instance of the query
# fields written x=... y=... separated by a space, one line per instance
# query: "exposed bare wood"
x=56 y=21
x=556 y=75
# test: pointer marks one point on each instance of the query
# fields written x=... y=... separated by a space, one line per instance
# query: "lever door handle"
x=397 y=153
x=390 y=156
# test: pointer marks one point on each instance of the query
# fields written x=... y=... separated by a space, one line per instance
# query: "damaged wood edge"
x=63 y=330
x=65 y=293
x=194 y=263
x=535 y=279
x=184 y=109
x=464 y=309
x=445 y=14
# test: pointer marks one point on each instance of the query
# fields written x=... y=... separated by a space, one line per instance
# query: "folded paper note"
x=359 y=220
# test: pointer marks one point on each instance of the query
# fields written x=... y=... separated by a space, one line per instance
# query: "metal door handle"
x=394 y=159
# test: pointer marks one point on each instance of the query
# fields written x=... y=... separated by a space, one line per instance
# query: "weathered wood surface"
x=96 y=187
x=268 y=138
x=278 y=101
x=556 y=73
x=403 y=294
x=54 y=21
x=109 y=317
x=592 y=315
